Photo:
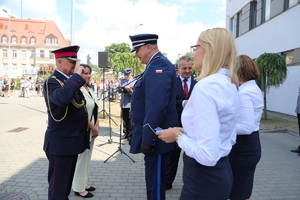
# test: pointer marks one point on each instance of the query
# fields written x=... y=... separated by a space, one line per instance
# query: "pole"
x=138 y=26
x=8 y=53
x=72 y=23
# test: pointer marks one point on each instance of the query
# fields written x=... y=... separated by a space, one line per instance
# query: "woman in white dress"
x=79 y=185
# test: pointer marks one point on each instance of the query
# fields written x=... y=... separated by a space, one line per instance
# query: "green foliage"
x=95 y=69
x=273 y=72
x=273 y=69
x=120 y=58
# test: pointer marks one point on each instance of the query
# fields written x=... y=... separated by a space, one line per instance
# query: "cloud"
x=105 y=26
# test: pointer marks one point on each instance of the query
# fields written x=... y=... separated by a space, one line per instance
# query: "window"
x=51 y=55
x=5 y=66
x=289 y=3
x=23 y=66
x=239 y=24
x=23 y=53
x=232 y=26
x=4 y=39
x=253 y=14
x=23 y=40
x=51 y=40
x=14 y=53
x=32 y=55
x=14 y=66
x=266 y=9
x=4 y=54
x=42 y=54
x=14 y=40
x=288 y=56
x=32 y=40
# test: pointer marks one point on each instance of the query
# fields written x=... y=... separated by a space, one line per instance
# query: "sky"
x=99 y=23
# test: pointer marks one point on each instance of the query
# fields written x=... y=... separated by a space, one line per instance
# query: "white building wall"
x=284 y=98
x=279 y=34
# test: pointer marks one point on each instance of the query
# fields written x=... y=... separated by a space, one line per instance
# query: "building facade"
x=270 y=26
x=25 y=47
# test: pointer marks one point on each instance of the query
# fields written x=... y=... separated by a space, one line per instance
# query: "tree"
x=273 y=72
x=121 y=58
x=96 y=75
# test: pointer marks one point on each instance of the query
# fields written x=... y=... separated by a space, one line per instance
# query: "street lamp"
x=8 y=65
x=138 y=26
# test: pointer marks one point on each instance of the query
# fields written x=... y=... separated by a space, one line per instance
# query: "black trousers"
x=60 y=176
x=127 y=125
x=172 y=165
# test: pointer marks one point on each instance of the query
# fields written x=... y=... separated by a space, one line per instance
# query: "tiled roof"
x=37 y=28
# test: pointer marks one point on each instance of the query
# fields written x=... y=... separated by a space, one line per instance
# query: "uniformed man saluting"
x=66 y=135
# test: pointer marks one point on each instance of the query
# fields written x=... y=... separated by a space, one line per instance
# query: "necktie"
x=185 y=89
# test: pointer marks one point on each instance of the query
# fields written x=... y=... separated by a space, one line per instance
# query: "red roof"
x=32 y=28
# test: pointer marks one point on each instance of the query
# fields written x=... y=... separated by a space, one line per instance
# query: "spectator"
x=209 y=119
x=12 y=87
x=246 y=152
x=298 y=116
x=185 y=84
x=79 y=185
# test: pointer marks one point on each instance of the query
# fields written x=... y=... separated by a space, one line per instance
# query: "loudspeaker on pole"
x=103 y=60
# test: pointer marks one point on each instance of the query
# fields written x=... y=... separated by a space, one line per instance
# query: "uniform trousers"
x=82 y=169
x=204 y=182
x=244 y=156
x=127 y=126
x=172 y=165
x=151 y=171
x=60 y=175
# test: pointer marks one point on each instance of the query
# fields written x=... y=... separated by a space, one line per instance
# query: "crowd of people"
x=214 y=118
x=28 y=87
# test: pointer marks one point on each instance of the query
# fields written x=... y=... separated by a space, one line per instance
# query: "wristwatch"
x=178 y=135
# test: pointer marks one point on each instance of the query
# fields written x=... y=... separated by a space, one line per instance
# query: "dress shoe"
x=91 y=188
x=88 y=195
x=296 y=150
x=169 y=186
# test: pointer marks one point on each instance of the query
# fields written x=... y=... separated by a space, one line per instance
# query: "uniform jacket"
x=68 y=136
x=180 y=95
x=126 y=97
x=153 y=103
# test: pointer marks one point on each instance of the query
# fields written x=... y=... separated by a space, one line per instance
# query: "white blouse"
x=251 y=108
x=209 y=119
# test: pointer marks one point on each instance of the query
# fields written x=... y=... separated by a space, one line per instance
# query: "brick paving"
x=23 y=164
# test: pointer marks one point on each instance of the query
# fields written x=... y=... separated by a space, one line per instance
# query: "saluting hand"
x=78 y=69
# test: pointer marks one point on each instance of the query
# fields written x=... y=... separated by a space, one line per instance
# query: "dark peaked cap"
x=69 y=52
x=142 y=39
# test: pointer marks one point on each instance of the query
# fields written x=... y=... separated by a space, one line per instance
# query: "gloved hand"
x=147 y=148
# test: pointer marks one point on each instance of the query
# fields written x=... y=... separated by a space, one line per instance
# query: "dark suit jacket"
x=68 y=136
x=180 y=95
x=153 y=103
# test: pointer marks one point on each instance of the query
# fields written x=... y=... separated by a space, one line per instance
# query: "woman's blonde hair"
x=220 y=53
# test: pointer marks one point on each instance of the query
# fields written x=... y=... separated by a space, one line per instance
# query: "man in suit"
x=185 y=82
x=66 y=135
x=127 y=83
x=153 y=105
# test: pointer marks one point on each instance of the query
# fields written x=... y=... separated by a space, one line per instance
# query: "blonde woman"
x=80 y=186
x=209 y=119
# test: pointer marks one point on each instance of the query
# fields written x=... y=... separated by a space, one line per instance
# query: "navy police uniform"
x=153 y=105
x=66 y=135
x=175 y=155
x=126 y=103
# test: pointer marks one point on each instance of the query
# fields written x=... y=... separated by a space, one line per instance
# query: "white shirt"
x=209 y=119
x=251 y=108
